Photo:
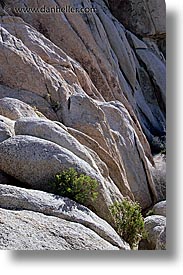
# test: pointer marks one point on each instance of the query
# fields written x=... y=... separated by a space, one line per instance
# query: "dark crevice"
x=69 y=103
x=151 y=128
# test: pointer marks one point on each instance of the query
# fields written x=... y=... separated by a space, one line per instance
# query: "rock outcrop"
x=155 y=226
x=160 y=208
x=85 y=90
x=36 y=231
x=15 y=198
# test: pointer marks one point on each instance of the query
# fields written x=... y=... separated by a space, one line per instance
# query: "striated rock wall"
x=83 y=90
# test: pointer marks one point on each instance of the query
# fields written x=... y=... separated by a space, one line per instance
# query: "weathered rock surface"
x=108 y=123
x=100 y=78
x=160 y=208
x=27 y=230
x=37 y=102
x=50 y=131
x=51 y=205
x=145 y=17
x=159 y=176
x=161 y=240
x=154 y=226
x=35 y=162
x=6 y=128
x=106 y=55
x=14 y=109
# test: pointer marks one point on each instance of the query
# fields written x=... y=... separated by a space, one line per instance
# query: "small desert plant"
x=128 y=220
x=80 y=188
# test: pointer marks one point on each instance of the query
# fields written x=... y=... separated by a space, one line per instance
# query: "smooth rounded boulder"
x=13 y=108
x=27 y=230
x=36 y=161
x=49 y=130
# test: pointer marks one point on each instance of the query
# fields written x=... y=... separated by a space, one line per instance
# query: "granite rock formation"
x=83 y=90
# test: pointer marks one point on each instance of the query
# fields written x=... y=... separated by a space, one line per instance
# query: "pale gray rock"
x=108 y=123
x=131 y=152
x=69 y=67
x=27 y=230
x=35 y=162
x=161 y=241
x=23 y=69
x=6 y=129
x=154 y=225
x=119 y=44
x=38 y=103
x=10 y=123
x=16 y=198
x=108 y=61
x=48 y=130
x=13 y=108
x=159 y=176
x=160 y=208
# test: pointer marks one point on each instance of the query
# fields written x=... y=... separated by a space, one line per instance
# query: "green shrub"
x=80 y=188
x=128 y=220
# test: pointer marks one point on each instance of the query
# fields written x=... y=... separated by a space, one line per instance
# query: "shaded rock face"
x=82 y=90
x=146 y=18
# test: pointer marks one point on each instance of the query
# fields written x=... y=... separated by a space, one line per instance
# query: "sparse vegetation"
x=80 y=188
x=129 y=222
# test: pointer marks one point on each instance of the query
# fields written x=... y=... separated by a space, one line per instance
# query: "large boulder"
x=35 y=162
x=13 y=108
x=38 y=103
x=111 y=126
x=27 y=230
x=48 y=130
x=154 y=226
x=160 y=208
x=16 y=198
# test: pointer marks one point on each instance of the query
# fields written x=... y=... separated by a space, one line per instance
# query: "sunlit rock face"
x=83 y=90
